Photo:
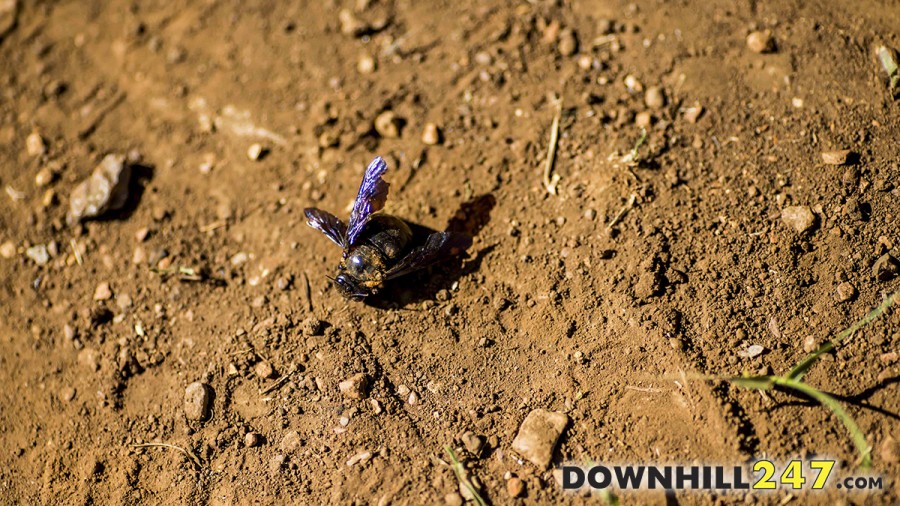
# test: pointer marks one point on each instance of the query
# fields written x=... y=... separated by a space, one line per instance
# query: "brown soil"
x=553 y=309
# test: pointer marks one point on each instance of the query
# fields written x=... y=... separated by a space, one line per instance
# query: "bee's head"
x=350 y=287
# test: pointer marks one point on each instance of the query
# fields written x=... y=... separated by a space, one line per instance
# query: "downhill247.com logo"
x=763 y=475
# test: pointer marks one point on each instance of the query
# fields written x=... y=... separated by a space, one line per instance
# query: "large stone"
x=355 y=386
x=799 y=218
x=538 y=436
x=105 y=190
x=197 y=401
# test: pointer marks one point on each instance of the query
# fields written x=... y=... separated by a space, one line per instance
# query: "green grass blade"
x=859 y=439
x=803 y=366
x=461 y=475
x=753 y=382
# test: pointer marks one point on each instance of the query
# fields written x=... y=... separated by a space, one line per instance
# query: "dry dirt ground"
x=601 y=301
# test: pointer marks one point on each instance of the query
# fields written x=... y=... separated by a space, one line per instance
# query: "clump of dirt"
x=759 y=213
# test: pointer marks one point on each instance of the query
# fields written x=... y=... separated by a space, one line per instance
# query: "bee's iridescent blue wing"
x=371 y=198
x=328 y=224
x=438 y=246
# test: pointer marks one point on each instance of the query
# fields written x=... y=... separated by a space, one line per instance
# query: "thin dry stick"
x=621 y=214
x=75 y=251
x=277 y=384
x=212 y=226
x=308 y=292
x=648 y=390
x=550 y=182
x=193 y=458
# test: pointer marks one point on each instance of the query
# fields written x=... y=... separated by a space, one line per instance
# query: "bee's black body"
x=383 y=242
x=379 y=247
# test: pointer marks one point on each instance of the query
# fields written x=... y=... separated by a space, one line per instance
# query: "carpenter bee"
x=379 y=247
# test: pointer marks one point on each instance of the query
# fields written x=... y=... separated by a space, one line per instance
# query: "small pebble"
x=197 y=401
x=354 y=387
x=839 y=157
x=34 y=144
x=388 y=125
x=350 y=24
x=453 y=499
x=291 y=442
x=633 y=85
x=483 y=58
x=44 y=177
x=67 y=394
x=360 y=457
x=811 y=343
x=473 y=443
x=252 y=439
x=276 y=463
x=643 y=119
x=655 y=98
x=49 y=198
x=761 y=41
x=605 y=26
x=845 y=292
x=692 y=114
x=284 y=282
x=256 y=151
x=264 y=370
x=551 y=32
x=8 y=249
x=568 y=42
x=515 y=487
x=431 y=134
x=124 y=301
x=38 y=254
x=799 y=218
x=159 y=213
x=103 y=292
x=366 y=65
x=139 y=256
x=850 y=177
x=313 y=327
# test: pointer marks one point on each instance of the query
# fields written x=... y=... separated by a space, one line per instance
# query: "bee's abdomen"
x=389 y=235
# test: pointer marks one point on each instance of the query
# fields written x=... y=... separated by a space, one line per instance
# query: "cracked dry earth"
x=199 y=313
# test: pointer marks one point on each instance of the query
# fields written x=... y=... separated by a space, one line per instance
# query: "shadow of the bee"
x=471 y=217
